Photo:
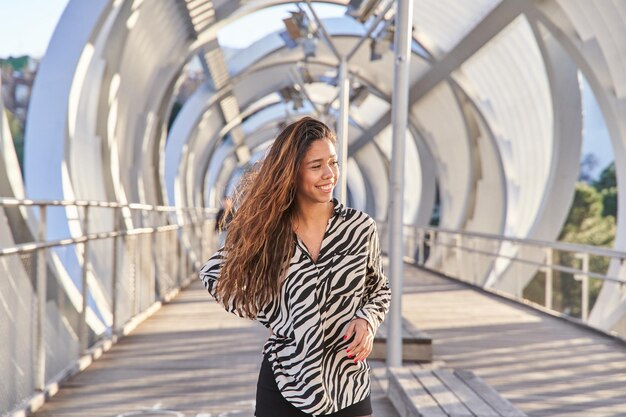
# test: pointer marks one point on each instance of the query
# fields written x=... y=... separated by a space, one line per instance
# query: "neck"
x=312 y=213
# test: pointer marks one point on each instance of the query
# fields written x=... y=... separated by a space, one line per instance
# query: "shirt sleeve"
x=377 y=292
x=209 y=274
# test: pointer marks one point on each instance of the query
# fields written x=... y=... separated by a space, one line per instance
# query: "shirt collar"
x=339 y=209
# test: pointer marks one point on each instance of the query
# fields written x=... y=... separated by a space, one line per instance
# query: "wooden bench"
x=419 y=392
x=416 y=345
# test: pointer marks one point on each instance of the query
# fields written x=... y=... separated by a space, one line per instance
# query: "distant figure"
x=224 y=215
x=309 y=269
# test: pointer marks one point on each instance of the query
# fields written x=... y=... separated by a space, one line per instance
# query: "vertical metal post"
x=458 y=243
x=83 y=334
x=549 y=275
x=584 y=293
x=40 y=268
x=399 y=120
x=154 y=255
x=179 y=280
x=473 y=259
x=114 y=276
x=139 y=249
x=203 y=236
x=420 y=247
x=518 y=272
x=201 y=241
x=429 y=242
x=183 y=248
x=342 y=129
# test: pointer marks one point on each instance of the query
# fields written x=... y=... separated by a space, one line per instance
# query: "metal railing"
x=562 y=277
x=64 y=296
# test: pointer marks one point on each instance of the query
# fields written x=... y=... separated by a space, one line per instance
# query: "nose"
x=328 y=172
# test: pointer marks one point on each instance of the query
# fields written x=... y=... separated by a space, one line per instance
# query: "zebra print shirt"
x=318 y=300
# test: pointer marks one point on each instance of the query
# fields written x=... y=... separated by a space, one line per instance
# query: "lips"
x=326 y=187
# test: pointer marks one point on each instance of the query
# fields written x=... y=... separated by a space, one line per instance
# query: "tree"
x=589 y=224
x=587 y=165
x=606 y=184
x=607 y=178
x=586 y=223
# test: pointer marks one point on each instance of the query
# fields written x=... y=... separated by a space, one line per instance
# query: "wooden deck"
x=193 y=358
x=543 y=365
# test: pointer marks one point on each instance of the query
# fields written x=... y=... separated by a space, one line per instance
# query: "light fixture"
x=358 y=95
x=299 y=31
x=292 y=93
x=305 y=74
x=382 y=42
x=361 y=10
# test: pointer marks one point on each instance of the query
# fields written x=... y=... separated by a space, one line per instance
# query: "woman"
x=309 y=269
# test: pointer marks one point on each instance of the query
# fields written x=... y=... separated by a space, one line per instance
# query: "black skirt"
x=271 y=403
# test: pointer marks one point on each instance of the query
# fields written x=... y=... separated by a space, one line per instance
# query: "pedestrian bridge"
x=167 y=348
x=140 y=122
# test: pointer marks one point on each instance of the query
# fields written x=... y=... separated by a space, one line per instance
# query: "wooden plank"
x=553 y=367
x=490 y=395
x=466 y=395
x=446 y=399
x=416 y=401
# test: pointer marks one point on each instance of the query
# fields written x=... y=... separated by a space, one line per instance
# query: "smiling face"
x=318 y=173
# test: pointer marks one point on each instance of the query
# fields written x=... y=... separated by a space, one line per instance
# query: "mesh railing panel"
x=128 y=272
x=101 y=258
x=18 y=304
x=62 y=324
x=126 y=280
x=165 y=252
x=145 y=281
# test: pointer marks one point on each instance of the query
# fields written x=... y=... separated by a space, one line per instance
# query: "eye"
x=315 y=166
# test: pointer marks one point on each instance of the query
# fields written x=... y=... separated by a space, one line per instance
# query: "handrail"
x=8 y=202
x=164 y=260
x=30 y=247
x=569 y=247
x=525 y=259
x=558 y=267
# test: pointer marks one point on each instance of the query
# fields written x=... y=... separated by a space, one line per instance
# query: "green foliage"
x=586 y=223
x=591 y=221
x=14 y=63
x=609 y=202
x=607 y=186
x=607 y=178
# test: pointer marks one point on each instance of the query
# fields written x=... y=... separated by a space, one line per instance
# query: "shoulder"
x=360 y=218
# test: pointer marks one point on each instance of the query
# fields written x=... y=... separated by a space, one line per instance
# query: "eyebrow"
x=321 y=159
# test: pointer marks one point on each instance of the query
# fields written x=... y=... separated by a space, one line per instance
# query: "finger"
x=356 y=344
x=365 y=348
x=364 y=353
x=358 y=337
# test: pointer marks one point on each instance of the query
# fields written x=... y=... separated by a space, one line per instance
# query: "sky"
x=26 y=27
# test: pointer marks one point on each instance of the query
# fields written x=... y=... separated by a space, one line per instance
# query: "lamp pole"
x=342 y=129
x=399 y=121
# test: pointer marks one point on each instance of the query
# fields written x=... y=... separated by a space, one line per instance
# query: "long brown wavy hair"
x=260 y=240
